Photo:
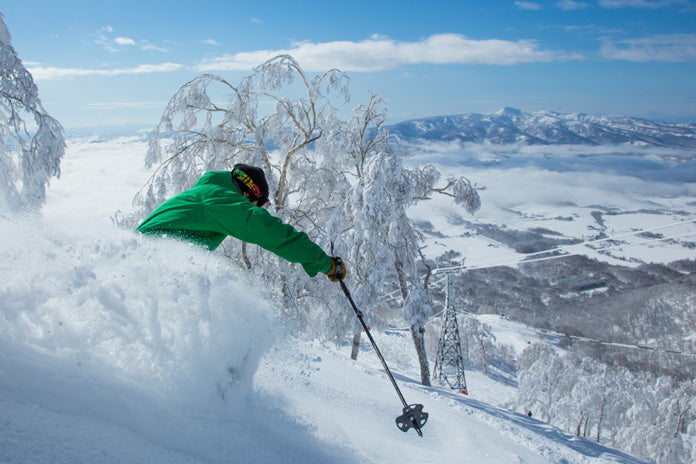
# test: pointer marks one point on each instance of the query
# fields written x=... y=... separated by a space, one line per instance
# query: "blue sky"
x=117 y=62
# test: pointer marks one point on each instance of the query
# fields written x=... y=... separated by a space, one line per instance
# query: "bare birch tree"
x=336 y=180
x=31 y=141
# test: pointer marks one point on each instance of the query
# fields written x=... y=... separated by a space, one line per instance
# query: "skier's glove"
x=337 y=271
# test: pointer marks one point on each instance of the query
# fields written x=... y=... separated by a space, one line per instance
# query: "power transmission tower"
x=449 y=365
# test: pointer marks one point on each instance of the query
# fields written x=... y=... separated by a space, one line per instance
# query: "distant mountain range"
x=510 y=125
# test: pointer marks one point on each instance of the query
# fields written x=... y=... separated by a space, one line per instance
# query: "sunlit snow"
x=117 y=348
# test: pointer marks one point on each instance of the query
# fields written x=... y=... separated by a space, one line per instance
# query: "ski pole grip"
x=338 y=270
x=338 y=266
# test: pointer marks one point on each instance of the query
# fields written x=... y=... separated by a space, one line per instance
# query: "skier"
x=223 y=203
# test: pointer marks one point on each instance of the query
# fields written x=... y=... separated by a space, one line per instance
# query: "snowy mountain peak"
x=507 y=111
x=5 y=37
x=510 y=125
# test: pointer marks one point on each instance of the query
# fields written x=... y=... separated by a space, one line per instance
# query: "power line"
x=517 y=259
x=620 y=245
x=576 y=337
x=588 y=339
x=520 y=259
x=629 y=345
x=525 y=259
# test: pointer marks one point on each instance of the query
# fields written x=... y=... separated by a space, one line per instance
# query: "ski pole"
x=413 y=414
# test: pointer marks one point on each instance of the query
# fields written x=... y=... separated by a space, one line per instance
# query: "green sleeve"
x=252 y=224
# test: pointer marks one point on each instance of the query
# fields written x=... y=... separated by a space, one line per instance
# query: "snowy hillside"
x=510 y=125
x=624 y=218
x=120 y=349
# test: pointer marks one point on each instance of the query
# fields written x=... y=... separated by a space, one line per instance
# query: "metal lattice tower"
x=449 y=365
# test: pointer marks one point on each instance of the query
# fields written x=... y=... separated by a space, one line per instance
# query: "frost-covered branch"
x=648 y=416
x=336 y=180
x=31 y=141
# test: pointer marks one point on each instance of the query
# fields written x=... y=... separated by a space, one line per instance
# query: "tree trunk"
x=245 y=258
x=356 y=347
x=579 y=427
x=484 y=356
x=418 y=334
x=601 y=417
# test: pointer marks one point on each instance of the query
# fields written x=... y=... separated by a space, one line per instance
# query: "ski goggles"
x=251 y=185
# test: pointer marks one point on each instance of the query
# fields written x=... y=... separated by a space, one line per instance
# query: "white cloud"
x=124 y=41
x=118 y=44
x=527 y=5
x=665 y=48
x=210 y=42
x=146 y=46
x=105 y=40
x=379 y=54
x=571 y=5
x=52 y=73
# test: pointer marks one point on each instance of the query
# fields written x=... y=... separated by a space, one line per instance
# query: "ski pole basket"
x=413 y=416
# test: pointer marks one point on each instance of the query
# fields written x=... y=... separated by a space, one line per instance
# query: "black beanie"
x=258 y=179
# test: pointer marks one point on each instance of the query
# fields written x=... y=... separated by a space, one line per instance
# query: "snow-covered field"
x=524 y=192
x=119 y=349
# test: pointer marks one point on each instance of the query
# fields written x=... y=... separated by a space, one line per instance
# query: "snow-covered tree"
x=336 y=180
x=198 y=133
x=647 y=416
x=31 y=141
x=383 y=242
x=480 y=343
x=210 y=124
x=537 y=384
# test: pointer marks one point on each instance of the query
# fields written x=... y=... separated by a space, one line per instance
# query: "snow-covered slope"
x=309 y=404
x=120 y=349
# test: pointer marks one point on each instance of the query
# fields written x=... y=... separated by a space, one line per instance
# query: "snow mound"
x=125 y=349
x=159 y=314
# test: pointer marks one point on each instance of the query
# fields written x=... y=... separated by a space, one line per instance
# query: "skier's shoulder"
x=219 y=178
x=216 y=184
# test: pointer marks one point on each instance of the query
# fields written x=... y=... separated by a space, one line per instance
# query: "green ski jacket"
x=215 y=208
